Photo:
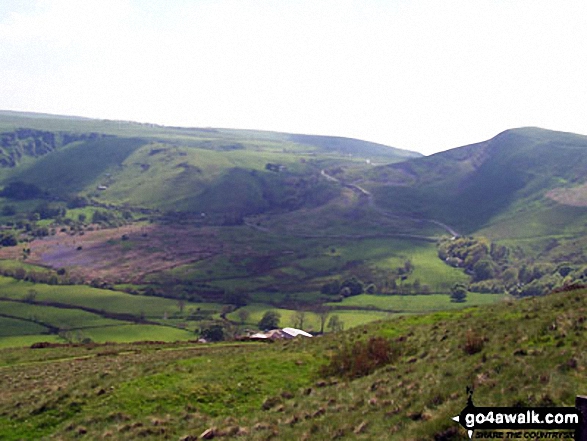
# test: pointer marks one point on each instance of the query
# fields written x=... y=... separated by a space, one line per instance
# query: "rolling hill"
x=113 y=233
x=254 y=220
x=521 y=174
x=175 y=169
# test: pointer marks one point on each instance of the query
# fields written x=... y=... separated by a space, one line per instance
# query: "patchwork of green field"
x=94 y=298
x=39 y=312
x=57 y=317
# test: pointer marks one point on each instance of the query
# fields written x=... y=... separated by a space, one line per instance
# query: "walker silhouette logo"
x=518 y=418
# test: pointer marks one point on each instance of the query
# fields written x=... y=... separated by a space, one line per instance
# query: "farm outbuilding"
x=277 y=334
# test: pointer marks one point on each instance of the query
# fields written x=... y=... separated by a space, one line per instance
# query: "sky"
x=424 y=75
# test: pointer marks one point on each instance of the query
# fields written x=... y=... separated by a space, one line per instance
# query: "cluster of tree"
x=8 y=238
x=103 y=217
x=380 y=282
x=348 y=287
x=78 y=202
x=51 y=278
x=45 y=210
x=214 y=331
x=271 y=319
x=495 y=268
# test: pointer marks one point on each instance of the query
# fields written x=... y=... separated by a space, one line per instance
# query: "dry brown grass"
x=104 y=255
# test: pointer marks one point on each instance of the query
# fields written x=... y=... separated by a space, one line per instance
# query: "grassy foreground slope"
x=524 y=353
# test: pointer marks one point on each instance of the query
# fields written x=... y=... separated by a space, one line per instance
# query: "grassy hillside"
x=524 y=353
x=490 y=184
x=280 y=221
x=194 y=170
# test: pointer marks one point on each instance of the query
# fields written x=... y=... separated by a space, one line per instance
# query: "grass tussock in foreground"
x=400 y=379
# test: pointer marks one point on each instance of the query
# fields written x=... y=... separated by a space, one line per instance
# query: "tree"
x=243 y=315
x=484 y=269
x=458 y=293
x=8 y=210
x=408 y=266
x=322 y=312
x=299 y=318
x=354 y=285
x=331 y=287
x=212 y=332
x=335 y=323
x=270 y=320
x=8 y=239
x=30 y=296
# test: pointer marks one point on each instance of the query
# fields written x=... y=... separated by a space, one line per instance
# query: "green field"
x=417 y=303
x=58 y=317
x=14 y=327
x=129 y=333
x=34 y=320
x=20 y=341
x=88 y=297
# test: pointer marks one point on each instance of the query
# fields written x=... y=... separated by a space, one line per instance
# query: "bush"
x=8 y=240
x=360 y=359
x=458 y=293
x=270 y=320
x=474 y=343
x=213 y=332
x=354 y=285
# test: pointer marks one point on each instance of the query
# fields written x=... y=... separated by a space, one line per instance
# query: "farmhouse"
x=278 y=334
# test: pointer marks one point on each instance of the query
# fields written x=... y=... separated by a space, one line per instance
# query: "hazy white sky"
x=416 y=74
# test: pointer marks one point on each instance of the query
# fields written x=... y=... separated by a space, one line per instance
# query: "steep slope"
x=520 y=173
x=220 y=171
